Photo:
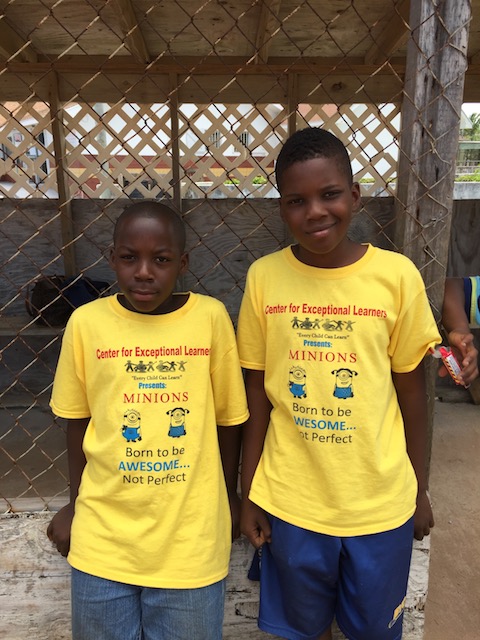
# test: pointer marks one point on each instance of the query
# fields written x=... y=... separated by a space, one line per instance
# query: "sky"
x=471 y=107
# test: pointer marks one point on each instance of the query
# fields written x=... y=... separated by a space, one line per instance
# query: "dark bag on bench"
x=52 y=299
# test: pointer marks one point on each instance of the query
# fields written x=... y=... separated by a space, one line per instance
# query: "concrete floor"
x=452 y=610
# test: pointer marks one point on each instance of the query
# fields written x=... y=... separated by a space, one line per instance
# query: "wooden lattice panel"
x=223 y=150
x=116 y=150
x=26 y=151
x=229 y=151
x=370 y=133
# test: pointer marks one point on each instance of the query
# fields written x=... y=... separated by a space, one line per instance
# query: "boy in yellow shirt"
x=152 y=480
x=332 y=335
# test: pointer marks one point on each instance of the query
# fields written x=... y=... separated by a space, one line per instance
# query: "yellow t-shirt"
x=152 y=509
x=334 y=459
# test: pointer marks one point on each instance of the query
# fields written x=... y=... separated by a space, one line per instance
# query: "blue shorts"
x=307 y=579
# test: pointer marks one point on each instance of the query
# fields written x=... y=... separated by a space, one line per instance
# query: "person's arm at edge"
x=412 y=398
x=455 y=323
x=58 y=530
x=230 y=443
x=254 y=521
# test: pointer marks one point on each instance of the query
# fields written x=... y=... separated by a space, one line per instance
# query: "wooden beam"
x=388 y=39
x=99 y=79
x=337 y=79
x=268 y=25
x=384 y=86
x=12 y=45
x=64 y=197
x=292 y=103
x=132 y=32
x=234 y=65
x=176 y=160
x=175 y=139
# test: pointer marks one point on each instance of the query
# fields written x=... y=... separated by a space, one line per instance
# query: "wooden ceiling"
x=206 y=51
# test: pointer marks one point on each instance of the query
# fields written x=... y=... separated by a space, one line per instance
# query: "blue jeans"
x=107 y=610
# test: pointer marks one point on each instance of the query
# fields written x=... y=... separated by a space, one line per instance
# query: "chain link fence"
x=189 y=103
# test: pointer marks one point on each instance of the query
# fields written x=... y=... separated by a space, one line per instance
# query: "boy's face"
x=317 y=204
x=147 y=261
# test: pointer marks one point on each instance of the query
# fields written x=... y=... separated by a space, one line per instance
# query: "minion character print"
x=297 y=382
x=177 y=422
x=131 y=426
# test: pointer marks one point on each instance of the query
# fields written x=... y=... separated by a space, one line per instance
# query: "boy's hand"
x=467 y=356
x=254 y=524
x=58 y=530
x=235 y=508
x=423 y=518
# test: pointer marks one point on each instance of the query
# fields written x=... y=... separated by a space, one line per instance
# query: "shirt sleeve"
x=415 y=330
x=69 y=396
x=251 y=330
x=226 y=374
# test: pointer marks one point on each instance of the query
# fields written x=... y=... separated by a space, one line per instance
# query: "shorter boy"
x=143 y=378
x=332 y=335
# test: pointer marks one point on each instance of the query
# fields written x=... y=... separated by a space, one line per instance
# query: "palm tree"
x=474 y=132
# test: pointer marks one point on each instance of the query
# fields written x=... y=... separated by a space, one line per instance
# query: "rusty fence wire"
x=110 y=102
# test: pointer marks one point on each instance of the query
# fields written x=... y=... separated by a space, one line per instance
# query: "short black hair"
x=153 y=209
x=310 y=143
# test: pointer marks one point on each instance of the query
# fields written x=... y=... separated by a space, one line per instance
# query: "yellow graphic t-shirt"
x=334 y=459
x=152 y=509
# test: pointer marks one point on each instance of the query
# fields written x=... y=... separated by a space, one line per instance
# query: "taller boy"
x=332 y=334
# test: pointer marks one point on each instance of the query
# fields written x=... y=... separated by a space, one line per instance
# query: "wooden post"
x=292 y=102
x=174 y=137
x=64 y=197
x=173 y=98
x=431 y=109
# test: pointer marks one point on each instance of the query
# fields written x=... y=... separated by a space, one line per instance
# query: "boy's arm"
x=412 y=398
x=453 y=311
x=455 y=322
x=230 y=442
x=58 y=530
x=254 y=521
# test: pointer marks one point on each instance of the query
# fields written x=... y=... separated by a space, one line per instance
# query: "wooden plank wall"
x=230 y=231
x=464 y=253
x=224 y=236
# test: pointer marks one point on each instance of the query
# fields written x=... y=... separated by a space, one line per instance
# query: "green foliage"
x=474 y=132
x=255 y=180
x=468 y=177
